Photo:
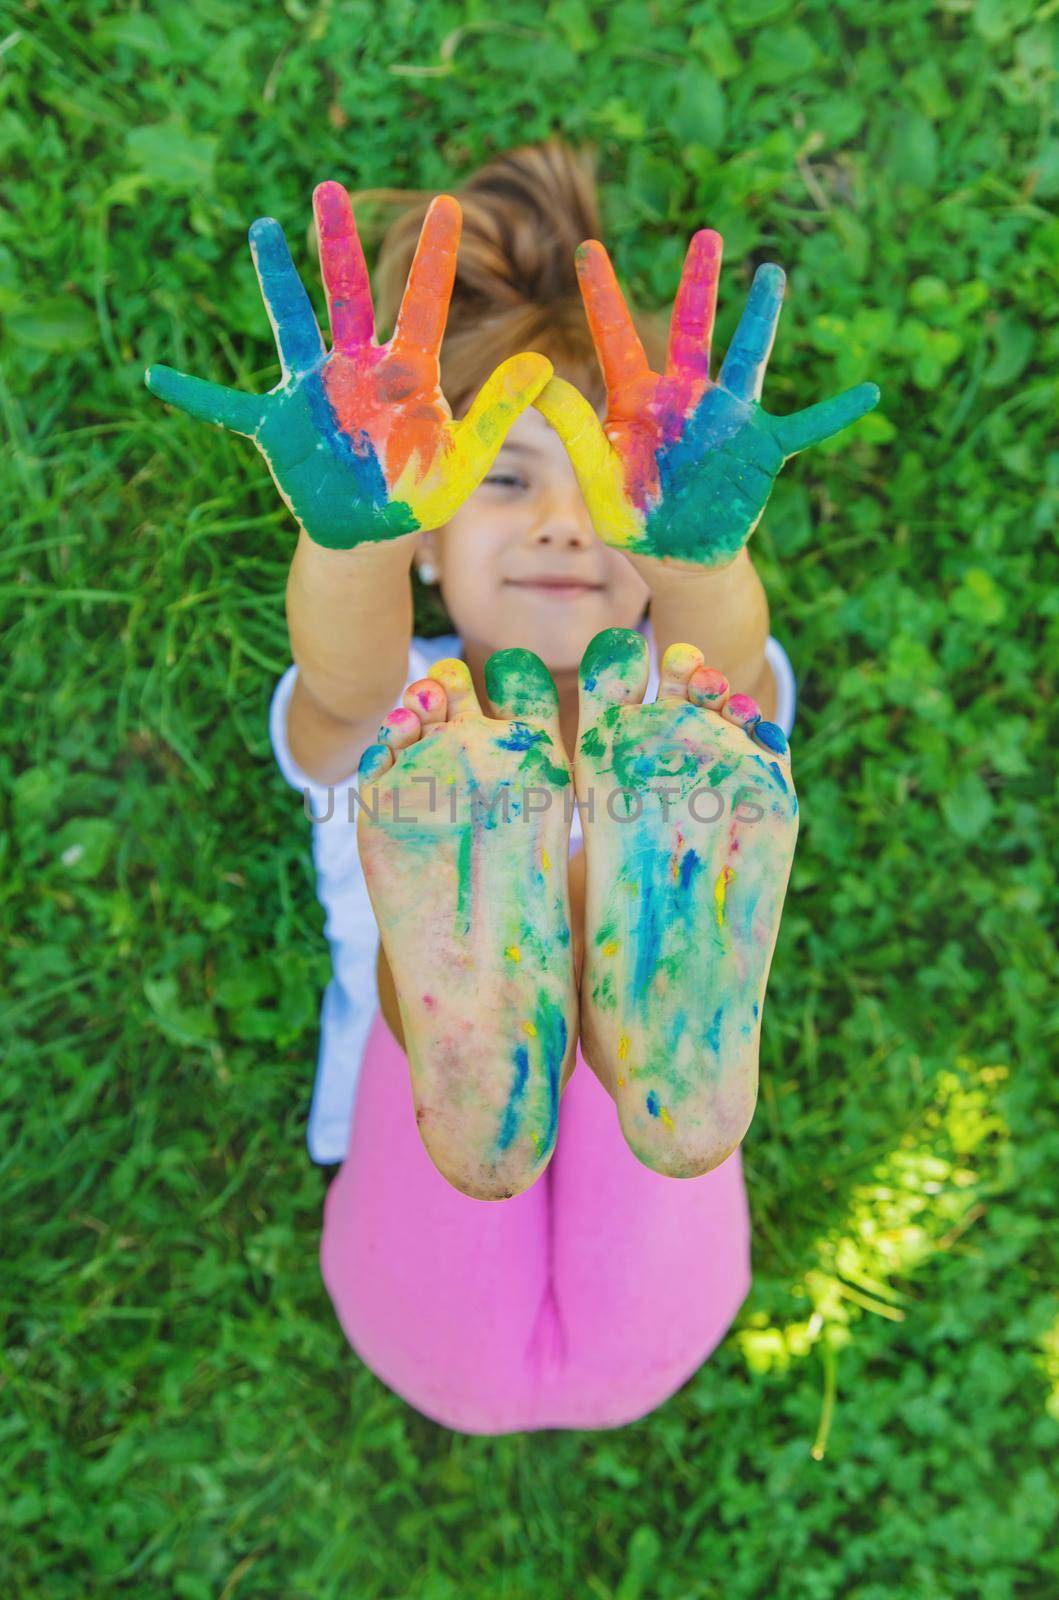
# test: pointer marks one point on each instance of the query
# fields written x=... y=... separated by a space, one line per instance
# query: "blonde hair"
x=524 y=215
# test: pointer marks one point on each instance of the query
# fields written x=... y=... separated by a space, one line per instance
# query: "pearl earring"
x=428 y=572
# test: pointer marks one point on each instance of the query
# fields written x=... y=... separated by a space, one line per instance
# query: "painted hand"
x=684 y=463
x=360 y=439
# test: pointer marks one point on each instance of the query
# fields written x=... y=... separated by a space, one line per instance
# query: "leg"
x=648 y=1271
x=439 y=1294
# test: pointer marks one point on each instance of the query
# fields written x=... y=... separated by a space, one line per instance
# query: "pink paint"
x=710 y=683
x=742 y=708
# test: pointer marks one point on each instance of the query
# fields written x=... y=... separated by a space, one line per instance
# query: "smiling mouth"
x=556 y=587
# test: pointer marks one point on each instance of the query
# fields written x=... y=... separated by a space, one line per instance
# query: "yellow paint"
x=598 y=466
x=451 y=778
x=666 y=1119
x=530 y=1029
x=621 y=1083
x=433 y=488
x=610 y=947
x=623 y=1046
x=513 y=953
x=545 y=860
x=720 y=890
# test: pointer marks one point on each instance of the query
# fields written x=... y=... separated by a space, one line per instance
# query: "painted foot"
x=463 y=834
x=690 y=819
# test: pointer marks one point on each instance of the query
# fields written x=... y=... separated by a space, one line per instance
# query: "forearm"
x=721 y=610
x=349 y=613
x=350 y=618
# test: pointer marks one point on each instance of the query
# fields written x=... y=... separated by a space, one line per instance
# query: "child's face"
x=520 y=563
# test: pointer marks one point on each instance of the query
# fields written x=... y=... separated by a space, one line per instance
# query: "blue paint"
x=654 y=1105
x=688 y=867
x=675 y=1030
x=376 y=759
x=778 y=775
x=553 y=1033
x=772 y=736
x=749 y=907
x=521 y=737
x=355 y=451
x=749 y=349
x=513 y=1109
x=649 y=928
x=756 y=1009
x=713 y=1033
x=298 y=337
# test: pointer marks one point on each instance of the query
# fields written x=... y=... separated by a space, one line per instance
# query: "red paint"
x=367 y=383
x=648 y=410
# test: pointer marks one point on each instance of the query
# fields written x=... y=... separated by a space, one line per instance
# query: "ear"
x=425 y=557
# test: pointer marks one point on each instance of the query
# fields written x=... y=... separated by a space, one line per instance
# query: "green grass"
x=181 y=1415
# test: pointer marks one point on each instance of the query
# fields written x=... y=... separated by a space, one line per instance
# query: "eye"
x=506 y=480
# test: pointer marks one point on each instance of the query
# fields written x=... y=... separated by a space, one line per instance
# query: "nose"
x=564 y=524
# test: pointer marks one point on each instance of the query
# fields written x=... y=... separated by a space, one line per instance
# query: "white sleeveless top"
x=351 y=998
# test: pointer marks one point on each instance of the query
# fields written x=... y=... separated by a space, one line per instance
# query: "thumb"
x=595 y=461
x=210 y=402
x=503 y=397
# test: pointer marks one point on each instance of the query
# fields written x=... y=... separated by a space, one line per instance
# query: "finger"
x=210 y=402
x=822 y=421
x=344 y=269
x=503 y=396
x=691 y=327
x=744 y=366
x=621 y=355
x=425 y=303
x=577 y=425
x=289 y=308
x=596 y=463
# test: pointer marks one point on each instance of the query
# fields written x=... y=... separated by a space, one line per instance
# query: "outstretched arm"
x=364 y=451
x=678 y=474
x=349 y=613
x=682 y=466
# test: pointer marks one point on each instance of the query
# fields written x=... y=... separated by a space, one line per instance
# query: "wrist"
x=384 y=555
x=667 y=575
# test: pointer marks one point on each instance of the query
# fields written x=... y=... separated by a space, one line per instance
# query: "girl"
x=589 y=1297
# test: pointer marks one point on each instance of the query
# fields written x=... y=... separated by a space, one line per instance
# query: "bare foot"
x=463 y=835
x=690 y=820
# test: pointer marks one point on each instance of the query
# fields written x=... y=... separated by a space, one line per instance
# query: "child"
x=598 y=1287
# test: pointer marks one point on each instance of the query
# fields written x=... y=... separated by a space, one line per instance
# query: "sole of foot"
x=463 y=830
x=690 y=820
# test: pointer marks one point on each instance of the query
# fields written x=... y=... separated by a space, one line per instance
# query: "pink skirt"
x=583 y=1303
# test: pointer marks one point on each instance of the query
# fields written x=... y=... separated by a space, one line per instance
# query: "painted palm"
x=684 y=463
x=359 y=438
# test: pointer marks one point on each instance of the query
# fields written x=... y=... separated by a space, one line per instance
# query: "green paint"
x=616 y=653
x=537 y=763
x=520 y=686
x=463 y=890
